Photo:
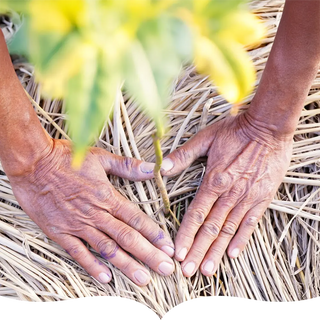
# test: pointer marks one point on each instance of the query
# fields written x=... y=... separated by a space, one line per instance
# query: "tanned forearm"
x=292 y=66
x=22 y=139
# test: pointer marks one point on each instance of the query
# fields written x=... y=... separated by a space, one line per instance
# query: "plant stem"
x=158 y=177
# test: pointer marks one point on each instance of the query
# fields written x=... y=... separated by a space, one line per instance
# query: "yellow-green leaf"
x=243 y=27
x=141 y=83
x=82 y=49
x=89 y=101
x=15 y=5
x=228 y=66
x=59 y=16
x=154 y=61
x=58 y=59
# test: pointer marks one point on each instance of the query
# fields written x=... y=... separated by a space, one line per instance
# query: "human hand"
x=245 y=166
x=70 y=206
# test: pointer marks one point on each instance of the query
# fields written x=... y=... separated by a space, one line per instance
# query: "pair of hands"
x=245 y=166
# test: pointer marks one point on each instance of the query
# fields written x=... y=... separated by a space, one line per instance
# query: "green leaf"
x=20 y=43
x=89 y=100
x=140 y=82
x=61 y=58
x=228 y=66
x=242 y=66
x=154 y=61
x=159 y=41
x=216 y=9
x=50 y=49
x=15 y=5
x=180 y=39
x=46 y=50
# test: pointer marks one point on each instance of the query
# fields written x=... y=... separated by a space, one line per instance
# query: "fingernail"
x=182 y=254
x=234 y=253
x=167 y=164
x=166 y=268
x=189 y=268
x=208 y=267
x=147 y=167
x=168 y=250
x=104 y=277
x=141 y=277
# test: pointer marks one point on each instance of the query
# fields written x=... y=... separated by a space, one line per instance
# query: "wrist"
x=292 y=66
x=20 y=161
x=23 y=141
x=266 y=129
x=279 y=100
x=273 y=112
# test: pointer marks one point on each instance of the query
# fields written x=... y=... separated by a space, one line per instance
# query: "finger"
x=132 y=241
x=184 y=156
x=212 y=228
x=124 y=167
x=128 y=212
x=247 y=227
x=221 y=224
x=213 y=185
x=85 y=258
x=109 y=250
x=194 y=218
x=219 y=246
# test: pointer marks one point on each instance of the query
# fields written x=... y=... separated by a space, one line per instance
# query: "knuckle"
x=89 y=211
x=156 y=236
x=104 y=193
x=220 y=181
x=198 y=216
x=115 y=207
x=251 y=222
x=211 y=229
x=54 y=230
x=151 y=258
x=198 y=252
x=127 y=237
x=182 y=155
x=128 y=164
x=242 y=239
x=235 y=194
x=216 y=251
x=118 y=207
x=76 y=251
x=107 y=248
x=185 y=236
x=136 y=221
x=126 y=266
x=229 y=228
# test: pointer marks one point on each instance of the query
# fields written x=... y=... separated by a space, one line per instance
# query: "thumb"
x=124 y=167
x=183 y=157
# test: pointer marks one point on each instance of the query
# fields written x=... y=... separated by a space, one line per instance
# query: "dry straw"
x=281 y=262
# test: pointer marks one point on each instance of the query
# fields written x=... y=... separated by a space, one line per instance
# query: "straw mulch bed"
x=281 y=262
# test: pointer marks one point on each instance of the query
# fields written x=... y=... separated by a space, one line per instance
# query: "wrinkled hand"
x=245 y=166
x=70 y=206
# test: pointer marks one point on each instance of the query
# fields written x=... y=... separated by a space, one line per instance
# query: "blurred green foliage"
x=83 y=50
